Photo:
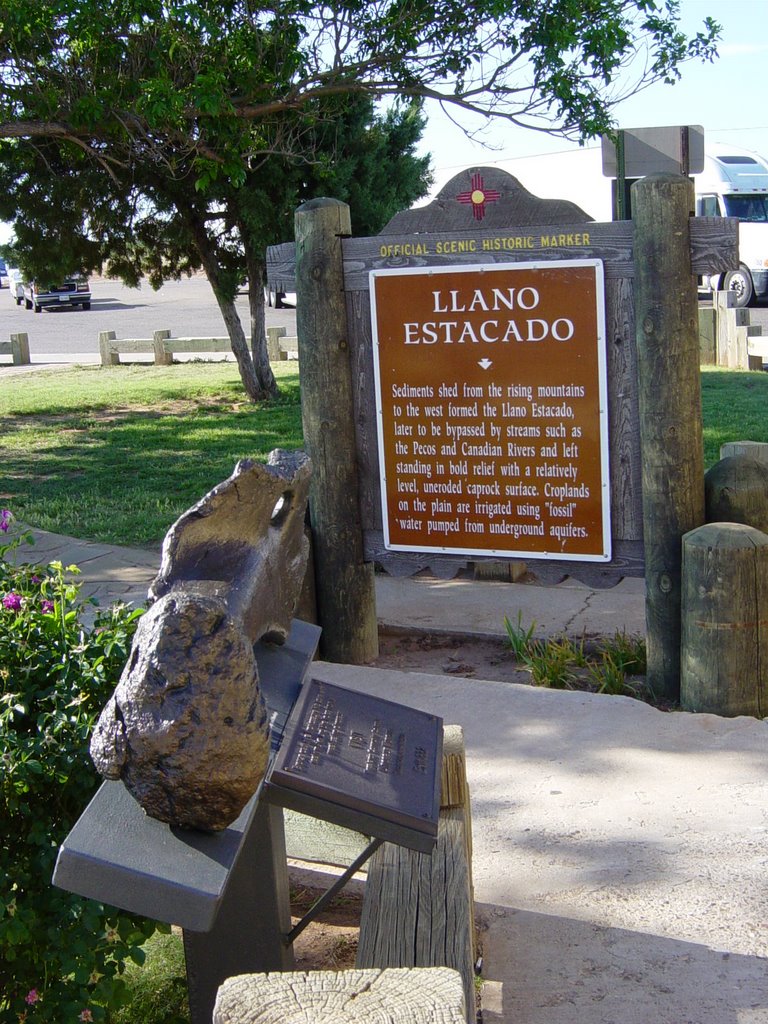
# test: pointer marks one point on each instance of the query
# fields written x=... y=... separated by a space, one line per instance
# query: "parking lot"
x=186 y=308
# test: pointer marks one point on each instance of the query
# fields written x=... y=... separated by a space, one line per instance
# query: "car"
x=74 y=291
x=4 y=279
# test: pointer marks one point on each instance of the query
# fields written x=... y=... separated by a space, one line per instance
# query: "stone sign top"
x=484 y=197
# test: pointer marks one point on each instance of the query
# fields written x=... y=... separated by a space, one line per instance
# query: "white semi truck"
x=734 y=183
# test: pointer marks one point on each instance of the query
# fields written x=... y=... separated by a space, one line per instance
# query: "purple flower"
x=12 y=601
x=5 y=519
x=47 y=606
x=35 y=579
x=31 y=997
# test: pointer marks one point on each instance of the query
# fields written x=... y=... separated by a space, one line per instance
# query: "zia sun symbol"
x=478 y=196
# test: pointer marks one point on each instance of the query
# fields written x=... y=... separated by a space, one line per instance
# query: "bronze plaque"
x=371 y=759
x=492 y=409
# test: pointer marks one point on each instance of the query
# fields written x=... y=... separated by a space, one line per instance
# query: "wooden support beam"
x=346 y=599
x=670 y=409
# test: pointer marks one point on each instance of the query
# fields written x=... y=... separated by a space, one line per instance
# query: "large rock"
x=186 y=727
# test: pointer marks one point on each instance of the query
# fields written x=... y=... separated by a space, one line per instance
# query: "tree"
x=206 y=117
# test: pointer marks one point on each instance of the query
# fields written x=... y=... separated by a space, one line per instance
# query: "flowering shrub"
x=61 y=956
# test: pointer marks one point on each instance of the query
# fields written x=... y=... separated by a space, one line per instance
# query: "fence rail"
x=163 y=346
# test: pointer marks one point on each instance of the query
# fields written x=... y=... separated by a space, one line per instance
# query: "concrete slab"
x=620 y=852
x=478 y=608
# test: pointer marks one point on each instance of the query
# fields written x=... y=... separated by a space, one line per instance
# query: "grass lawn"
x=116 y=454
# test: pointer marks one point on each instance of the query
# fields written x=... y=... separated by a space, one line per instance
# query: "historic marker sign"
x=492 y=409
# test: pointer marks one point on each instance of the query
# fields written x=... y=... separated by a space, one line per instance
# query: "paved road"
x=185 y=308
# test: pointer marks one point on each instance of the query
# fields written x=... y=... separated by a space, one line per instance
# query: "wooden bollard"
x=724 y=648
x=736 y=491
x=430 y=995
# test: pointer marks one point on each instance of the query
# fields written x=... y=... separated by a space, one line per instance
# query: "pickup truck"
x=75 y=291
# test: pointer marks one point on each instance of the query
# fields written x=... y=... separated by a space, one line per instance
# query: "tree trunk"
x=257 y=279
x=253 y=388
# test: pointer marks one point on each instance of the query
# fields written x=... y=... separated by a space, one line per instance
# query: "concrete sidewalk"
x=458 y=606
x=620 y=853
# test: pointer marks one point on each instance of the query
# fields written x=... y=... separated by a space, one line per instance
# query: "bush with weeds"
x=61 y=957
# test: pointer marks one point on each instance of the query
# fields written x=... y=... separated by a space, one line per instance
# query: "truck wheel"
x=28 y=303
x=86 y=305
x=18 y=301
x=37 y=308
x=740 y=282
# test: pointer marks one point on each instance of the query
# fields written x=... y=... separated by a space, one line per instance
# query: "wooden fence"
x=163 y=347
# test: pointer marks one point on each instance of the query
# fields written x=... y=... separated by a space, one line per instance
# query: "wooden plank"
x=417 y=908
x=171 y=345
x=627 y=561
x=610 y=242
x=623 y=414
x=714 y=249
x=131 y=345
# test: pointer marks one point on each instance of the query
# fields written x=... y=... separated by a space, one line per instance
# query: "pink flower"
x=12 y=602
x=31 y=997
x=5 y=519
x=86 y=1015
x=47 y=606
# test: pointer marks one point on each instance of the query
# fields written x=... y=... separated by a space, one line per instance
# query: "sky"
x=726 y=97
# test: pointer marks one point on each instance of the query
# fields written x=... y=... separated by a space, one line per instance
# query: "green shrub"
x=61 y=957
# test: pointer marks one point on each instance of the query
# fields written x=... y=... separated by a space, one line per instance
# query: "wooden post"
x=418 y=909
x=20 y=349
x=162 y=358
x=108 y=357
x=757 y=450
x=274 y=334
x=431 y=995
x=736 y=491
x=670 y=409
x=725 y=621
x=344 y=583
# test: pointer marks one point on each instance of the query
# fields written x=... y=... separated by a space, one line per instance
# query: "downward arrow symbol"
x=485 y=363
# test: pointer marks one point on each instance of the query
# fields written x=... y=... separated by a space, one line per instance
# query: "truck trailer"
x=733 y=183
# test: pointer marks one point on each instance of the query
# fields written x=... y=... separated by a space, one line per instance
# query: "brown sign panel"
x=492 y=409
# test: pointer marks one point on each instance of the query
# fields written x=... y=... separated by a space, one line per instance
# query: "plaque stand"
x=227 y=891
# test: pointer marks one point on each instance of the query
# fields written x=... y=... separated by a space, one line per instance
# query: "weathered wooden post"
x=20 y=349
x=162 y=358
x=670 y=408
x=736 y=491
x=346 y=597
x=108 y=357
x=724 y=627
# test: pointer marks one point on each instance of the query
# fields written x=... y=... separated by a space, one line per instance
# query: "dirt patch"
x=438 y=653
x=329 y=943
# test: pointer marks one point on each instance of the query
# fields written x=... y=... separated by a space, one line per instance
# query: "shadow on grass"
x=124 y=476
